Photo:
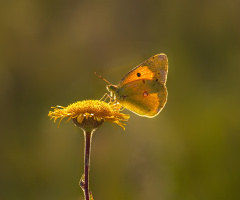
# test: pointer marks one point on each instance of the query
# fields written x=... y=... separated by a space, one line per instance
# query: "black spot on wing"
x=138 y=74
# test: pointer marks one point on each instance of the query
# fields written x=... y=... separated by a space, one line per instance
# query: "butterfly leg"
x=122 y=109
x=105 y=97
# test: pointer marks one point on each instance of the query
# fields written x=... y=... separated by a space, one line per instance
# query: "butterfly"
x=143 y=90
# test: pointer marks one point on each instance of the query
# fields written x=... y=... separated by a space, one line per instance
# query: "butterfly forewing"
x=155 y=67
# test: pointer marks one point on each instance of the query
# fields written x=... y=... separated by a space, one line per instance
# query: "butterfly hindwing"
x=144 y=97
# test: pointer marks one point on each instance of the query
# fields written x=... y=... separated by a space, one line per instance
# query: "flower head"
x=90 y=114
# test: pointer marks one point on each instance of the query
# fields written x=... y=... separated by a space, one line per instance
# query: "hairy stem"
x=87 y=138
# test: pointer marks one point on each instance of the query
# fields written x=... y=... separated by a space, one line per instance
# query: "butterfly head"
x=112 y=90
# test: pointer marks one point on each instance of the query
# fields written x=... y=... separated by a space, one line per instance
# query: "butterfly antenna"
x=102 y=78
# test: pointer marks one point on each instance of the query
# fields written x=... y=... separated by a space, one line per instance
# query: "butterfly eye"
x=138 y=74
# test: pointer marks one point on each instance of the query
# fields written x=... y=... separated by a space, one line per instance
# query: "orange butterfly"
x=143 y=89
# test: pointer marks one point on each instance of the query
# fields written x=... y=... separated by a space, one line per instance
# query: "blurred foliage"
x=49 y=51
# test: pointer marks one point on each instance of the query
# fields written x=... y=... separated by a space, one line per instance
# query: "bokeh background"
x=49 y=51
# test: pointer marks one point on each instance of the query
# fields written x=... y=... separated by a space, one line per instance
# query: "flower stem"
x=87 y=138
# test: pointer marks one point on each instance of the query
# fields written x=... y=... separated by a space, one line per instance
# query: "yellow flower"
x=90 y=114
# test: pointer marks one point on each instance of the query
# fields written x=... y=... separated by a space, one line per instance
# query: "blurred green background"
x=49 y=51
